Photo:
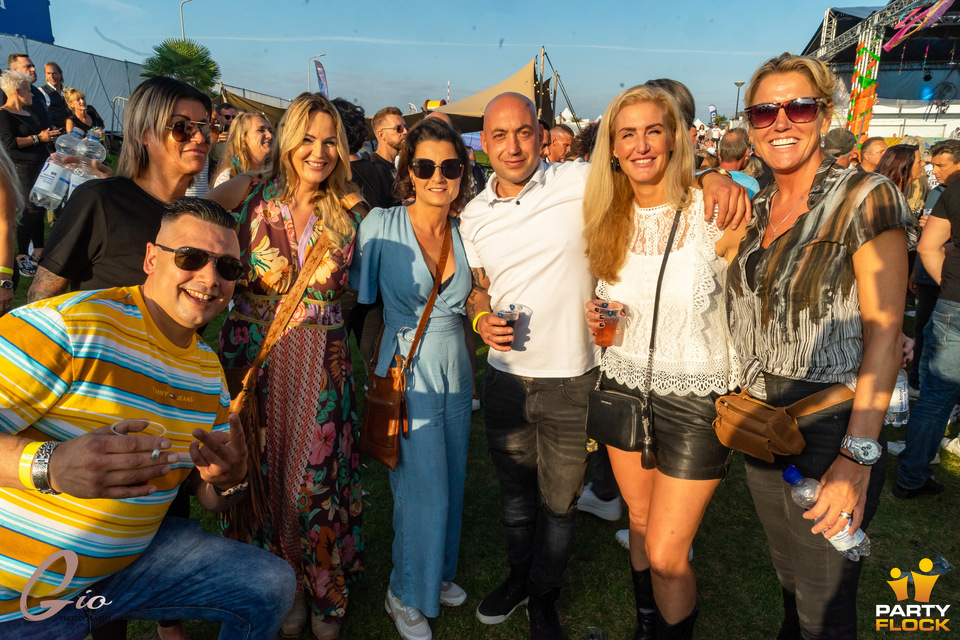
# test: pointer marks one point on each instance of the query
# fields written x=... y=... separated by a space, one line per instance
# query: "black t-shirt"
x=100 y=239
x=83 y=126
x=13 y=126
x=375 y=178
x=948 y=208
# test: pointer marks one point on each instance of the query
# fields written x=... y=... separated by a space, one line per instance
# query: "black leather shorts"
x=687 y=444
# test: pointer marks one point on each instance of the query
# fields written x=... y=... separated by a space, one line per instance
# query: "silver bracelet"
x=40 y=469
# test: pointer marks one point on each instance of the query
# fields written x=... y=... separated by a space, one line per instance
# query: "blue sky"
x=382 y=53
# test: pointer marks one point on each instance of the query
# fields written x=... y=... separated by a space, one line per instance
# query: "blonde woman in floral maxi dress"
x=310 y=465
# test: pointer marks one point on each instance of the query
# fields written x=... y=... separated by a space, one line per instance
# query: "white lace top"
x=693 y=353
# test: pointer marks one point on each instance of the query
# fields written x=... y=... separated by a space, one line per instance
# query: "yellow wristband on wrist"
x=475 y=320
x=26 y=465
x=6 y=270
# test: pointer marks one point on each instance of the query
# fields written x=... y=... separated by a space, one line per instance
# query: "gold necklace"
x=776 y=227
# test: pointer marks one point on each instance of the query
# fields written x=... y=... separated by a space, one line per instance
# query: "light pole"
x=736 y=106
x=182 y=36
x=319 y=55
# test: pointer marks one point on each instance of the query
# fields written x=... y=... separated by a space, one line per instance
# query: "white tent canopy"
x=101 y=79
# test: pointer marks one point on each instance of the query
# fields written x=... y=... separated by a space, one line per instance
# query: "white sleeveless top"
x=693 y=354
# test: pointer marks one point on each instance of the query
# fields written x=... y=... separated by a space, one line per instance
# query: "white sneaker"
x=604 y=509
x=623 y=537
x=475 y=404
x=952 y=445
x=409 y=621
x=452 y=595
x=896 y=446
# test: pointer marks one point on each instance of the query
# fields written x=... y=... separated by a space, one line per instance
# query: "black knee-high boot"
x=646 y=605
x=683 y=630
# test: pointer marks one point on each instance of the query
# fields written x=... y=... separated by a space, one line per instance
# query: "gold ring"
x=846 y=516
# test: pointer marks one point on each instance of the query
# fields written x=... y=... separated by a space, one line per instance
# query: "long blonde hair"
x=608 y=196
x=236 y=157
x=290 y=133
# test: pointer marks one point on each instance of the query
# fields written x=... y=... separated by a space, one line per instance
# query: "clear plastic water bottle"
x=899 y=410
x=54 y=180
x=89 y=149
x=805 y=491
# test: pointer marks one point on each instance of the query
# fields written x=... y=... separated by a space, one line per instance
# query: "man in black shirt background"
x=940 y=360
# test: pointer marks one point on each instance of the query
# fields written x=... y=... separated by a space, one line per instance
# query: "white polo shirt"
x=533 y=250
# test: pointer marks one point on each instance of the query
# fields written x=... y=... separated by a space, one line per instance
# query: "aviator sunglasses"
x=798 y=110
x=183 y=130
x=451 y=169
x=190 y=259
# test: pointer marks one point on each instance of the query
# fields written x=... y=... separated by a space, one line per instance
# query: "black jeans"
x=536 y=433
x=823 y=581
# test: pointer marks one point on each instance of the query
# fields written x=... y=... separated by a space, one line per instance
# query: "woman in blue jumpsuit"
x=399 y=252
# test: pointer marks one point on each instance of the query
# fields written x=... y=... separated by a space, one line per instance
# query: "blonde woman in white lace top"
x=642 y=174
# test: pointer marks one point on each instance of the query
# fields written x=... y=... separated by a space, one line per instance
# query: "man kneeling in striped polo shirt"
x=89 y=381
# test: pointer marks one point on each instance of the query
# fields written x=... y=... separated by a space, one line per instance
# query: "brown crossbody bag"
x=761 y=430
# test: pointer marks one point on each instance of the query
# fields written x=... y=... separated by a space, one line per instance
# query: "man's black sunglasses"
x=190 y=259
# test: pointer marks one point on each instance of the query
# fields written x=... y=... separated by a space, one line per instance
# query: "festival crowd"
x=641 y=262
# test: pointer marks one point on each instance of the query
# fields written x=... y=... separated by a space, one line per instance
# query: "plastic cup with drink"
x=610 y=314
x=510 y=313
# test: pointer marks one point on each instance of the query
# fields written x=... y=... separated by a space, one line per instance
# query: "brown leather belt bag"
x=761 y=430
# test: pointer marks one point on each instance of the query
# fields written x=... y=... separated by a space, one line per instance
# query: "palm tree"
x=184 y=60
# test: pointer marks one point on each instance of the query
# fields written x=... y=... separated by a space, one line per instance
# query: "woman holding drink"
x=641 y=182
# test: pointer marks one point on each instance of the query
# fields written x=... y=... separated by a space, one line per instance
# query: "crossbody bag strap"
x=438 y=276
x=820 y=400
x=291 y=300
x=656 y=299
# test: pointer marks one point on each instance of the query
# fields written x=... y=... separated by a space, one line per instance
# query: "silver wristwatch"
x=865 y=451
x=40 y=469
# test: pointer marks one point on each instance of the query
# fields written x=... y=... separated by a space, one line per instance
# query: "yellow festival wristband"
x=26 y=465
x=477 y=319
x=6 y=270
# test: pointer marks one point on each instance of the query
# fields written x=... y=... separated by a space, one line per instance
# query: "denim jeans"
x=536 y=433
x=939 y=392
x=819 y=582
x=184 y=574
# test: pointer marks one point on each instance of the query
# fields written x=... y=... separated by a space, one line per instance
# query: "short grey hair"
x=11 y=80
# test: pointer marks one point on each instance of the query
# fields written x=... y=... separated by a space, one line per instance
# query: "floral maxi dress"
x=310 y=466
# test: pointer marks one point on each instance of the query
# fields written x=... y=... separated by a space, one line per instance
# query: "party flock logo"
x=913 y=617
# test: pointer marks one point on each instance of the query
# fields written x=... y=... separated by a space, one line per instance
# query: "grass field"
x=738 y=592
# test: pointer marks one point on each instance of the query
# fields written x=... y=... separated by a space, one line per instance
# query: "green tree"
x=721 y=120
x=184 y=60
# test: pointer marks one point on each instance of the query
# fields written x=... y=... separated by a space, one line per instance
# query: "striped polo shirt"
x=73 y=364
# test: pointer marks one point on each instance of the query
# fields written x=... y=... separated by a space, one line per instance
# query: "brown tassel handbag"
x=384 y=409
